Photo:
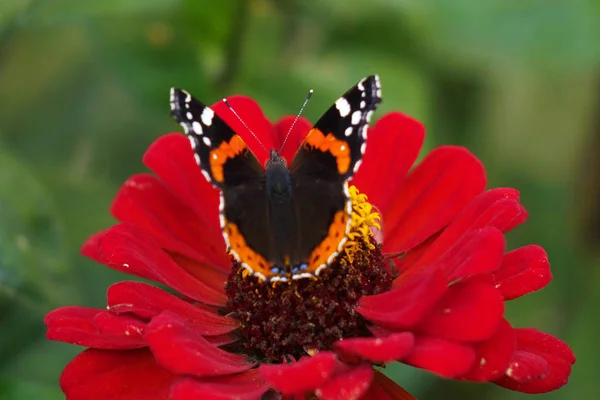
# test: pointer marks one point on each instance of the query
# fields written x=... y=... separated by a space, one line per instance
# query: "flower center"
x=279 y=320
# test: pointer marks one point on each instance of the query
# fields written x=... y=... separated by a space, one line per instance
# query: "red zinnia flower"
x=426 y=289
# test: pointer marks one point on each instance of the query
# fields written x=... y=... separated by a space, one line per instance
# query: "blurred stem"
x=239 y=27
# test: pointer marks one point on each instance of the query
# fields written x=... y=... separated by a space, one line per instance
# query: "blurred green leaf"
x=32 y=247
x=12 y=389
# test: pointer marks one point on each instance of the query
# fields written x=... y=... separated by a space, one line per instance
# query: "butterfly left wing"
x=320 y=171
x=229 y=165
x=223 y=156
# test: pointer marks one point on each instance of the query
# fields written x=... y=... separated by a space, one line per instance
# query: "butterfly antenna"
x=310 y=92
x=245 y=126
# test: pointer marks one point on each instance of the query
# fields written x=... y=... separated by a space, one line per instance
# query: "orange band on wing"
x=225 y=151
x=245 y=254
x=329 y=245
x=338 y=148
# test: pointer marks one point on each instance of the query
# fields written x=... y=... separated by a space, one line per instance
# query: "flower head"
x=422 y=281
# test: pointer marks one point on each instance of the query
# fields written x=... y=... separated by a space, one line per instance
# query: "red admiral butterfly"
x=281 y=222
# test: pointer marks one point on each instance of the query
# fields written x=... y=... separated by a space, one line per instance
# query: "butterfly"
x=283 y=222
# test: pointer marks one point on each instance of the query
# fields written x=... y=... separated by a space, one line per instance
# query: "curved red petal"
x=250 y=112
x=94 y=328
x=406 y=304
x=348 y=385
x=145 y=201
x=479 y=251
x=383 y=388
x=115 y=375
x=523 y=271
x=493 y=355
x=469 y=311
x=432 y=195
x=171 y=157
x=147 y=302
x=178 y=347
x=306 y=375
x=497 y=208
x=527 y=377
x=392 y=148
x=130 y=249
x=526 y=367
x=378 y=350
x=541 y=364
x=534 y=341
x=295 y=138
x=247 y=385
x=442 y=357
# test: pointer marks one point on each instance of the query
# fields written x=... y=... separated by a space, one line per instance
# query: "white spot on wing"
x=348 y=131
x=185 y=127
x=357 y=165
x=197 y=127
x=207 y=116
x=369 y=114
x=189 y=115
x=206 y=140
x=192 y=141
x=361 y=85
x=363 y=104
x=343 y=106
x=356 y=117
x=363 y=147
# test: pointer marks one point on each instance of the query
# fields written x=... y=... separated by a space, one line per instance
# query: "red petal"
x=171 y=157
x=115 y=375
x=145 y=201
x=535 y=341
x=477 y=252
x=442 y=357
x=498 y=208
x=248 y=385
x=523 y=271
x=296 y=137
x=180 y=348
x=147 y=302
x=378 y=350
x=541 y=364
x=407 y=304
x=526 y=367
x=348 y=385
x=79 y=325
x=257 y=124
x=212 y=277
x=470 y=311
x=493 y=355
x=392 y=148
x=383 y=388
x=130 y=249
x=523 y=376
x=432 y=195
x=306 y=375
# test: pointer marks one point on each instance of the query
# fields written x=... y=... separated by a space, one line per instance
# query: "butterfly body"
x=283 y=222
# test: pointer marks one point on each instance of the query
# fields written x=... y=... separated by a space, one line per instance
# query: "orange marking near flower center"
x=329 y=245
x=225 y=151
x=338 y=148
x=246 y=255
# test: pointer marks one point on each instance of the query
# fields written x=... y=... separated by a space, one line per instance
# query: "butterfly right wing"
x=228 y=163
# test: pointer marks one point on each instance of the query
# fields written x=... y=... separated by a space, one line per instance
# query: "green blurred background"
x=84 y=91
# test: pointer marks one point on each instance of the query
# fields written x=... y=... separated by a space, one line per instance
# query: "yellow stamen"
x=363 y=218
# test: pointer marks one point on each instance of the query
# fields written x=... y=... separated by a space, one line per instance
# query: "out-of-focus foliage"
x=84 y=91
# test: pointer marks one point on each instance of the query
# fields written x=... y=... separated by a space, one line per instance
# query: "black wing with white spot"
x=347 y=120
x=222 y=155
